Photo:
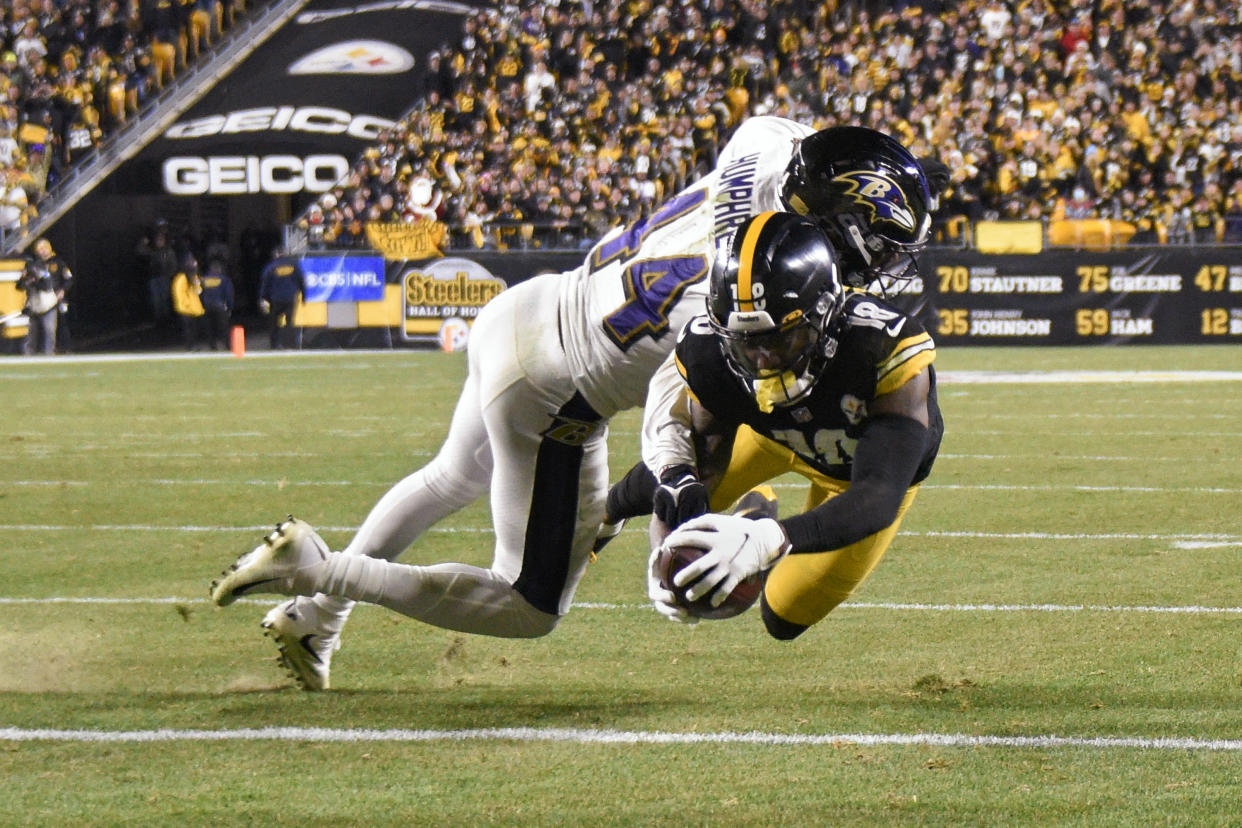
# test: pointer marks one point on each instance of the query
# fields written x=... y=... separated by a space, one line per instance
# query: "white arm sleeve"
x=666 y=439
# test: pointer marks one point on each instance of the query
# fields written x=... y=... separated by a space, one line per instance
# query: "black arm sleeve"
x=887 y=457
x=631 y=496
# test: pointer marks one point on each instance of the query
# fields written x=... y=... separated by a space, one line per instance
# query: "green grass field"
x=1053 y=639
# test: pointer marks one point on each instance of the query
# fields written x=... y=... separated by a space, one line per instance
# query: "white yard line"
x=610 y=737
x=597 y=605
x=1184 y=540
x=278 y=483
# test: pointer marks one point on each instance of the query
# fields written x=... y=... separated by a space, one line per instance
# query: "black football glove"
x=680 y=496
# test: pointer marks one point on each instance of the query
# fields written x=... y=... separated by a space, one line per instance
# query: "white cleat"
x=305 y=647
x=272 y=565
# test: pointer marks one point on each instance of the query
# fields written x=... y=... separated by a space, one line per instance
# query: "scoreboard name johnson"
x=1010 y=327
x=984 y=323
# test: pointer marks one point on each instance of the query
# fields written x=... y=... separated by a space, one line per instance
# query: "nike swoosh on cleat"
x=255 y=585
x=308 y=649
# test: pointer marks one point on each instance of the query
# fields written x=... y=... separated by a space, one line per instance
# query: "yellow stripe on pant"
x=803 y=588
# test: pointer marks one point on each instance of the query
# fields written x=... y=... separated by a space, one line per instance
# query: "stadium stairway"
x=246 y=35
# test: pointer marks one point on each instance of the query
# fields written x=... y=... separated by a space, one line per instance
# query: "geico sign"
x=321 y=120
x=245 y=174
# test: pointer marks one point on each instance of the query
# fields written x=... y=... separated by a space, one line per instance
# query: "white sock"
x=354 y=577
x=452 y=596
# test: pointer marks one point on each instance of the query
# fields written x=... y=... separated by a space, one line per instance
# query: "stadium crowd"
x=72 y=71
x=545 y=123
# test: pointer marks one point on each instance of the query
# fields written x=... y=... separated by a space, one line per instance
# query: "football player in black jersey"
x=788 y=371
x=875 y=201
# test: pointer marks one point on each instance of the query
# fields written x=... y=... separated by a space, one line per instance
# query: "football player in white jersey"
x=550 y=361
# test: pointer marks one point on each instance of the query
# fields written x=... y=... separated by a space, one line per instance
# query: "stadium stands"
x=74 y=71
x=544 y=123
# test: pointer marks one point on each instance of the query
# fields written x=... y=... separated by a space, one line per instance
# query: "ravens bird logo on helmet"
x=879 y=196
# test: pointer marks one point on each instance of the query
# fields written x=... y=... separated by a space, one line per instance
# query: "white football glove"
x=737 y=548
x=664 y=600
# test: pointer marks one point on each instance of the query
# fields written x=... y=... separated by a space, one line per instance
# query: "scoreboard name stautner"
x=1015 y=284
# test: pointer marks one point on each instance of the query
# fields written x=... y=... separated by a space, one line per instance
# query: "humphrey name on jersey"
x=737 y=190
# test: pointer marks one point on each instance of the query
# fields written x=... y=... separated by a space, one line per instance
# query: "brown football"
x=670 y=562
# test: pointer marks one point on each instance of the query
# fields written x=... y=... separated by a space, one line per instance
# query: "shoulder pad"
x=696 y=342
x=698 y=326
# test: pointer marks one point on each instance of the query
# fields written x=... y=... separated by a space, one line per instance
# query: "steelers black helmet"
x=872 y=195
x=773 y=300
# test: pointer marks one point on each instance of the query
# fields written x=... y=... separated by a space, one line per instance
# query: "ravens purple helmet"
x=872 y=196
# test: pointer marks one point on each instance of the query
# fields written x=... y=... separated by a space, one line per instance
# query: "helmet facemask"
x=770 y=352
x=867 y=259
x=781 y=363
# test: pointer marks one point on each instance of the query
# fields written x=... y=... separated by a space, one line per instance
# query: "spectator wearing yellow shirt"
x=187 y=288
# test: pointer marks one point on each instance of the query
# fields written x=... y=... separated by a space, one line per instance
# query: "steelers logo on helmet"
x=871 y=194
x=773 y=300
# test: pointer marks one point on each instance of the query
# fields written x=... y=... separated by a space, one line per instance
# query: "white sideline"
x=1024 y=377
x=34 y=368
x=583 y=736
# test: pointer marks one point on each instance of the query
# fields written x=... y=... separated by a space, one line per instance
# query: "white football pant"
x=521 y=427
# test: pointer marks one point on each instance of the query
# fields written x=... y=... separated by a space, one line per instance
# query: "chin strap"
x=771 y=392
x=860 y=243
